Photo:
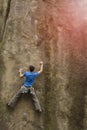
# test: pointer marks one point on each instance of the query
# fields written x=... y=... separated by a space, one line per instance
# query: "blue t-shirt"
x=30 y=78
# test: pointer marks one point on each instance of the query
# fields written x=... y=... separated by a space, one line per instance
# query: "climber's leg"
x=35 y=100
x=15 y=98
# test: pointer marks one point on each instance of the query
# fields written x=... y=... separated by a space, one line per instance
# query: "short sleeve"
x=24 y=73
x=36 y=74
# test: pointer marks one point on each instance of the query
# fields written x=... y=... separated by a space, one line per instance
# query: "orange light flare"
x=70 y=16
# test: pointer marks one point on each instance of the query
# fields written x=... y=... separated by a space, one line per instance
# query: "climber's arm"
x=41 y=67
x=21 y=73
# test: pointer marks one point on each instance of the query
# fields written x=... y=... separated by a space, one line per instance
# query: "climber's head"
x=31 y=68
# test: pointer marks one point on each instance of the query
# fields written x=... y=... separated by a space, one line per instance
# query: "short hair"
x=31 y=68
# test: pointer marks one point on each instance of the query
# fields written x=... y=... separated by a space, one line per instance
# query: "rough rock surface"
x=53 y=31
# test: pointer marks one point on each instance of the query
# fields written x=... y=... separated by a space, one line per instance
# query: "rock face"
x=53 y=31
x=19 y=50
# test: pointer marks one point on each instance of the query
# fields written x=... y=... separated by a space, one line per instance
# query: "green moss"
x=50 y=98
x=77 y=111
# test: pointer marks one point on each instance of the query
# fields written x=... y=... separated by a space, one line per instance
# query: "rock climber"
x=27 y=87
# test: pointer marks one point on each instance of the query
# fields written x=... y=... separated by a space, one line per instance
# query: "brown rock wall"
x=53 y=31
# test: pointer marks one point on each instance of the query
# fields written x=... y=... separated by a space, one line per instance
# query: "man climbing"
x=27 y=87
